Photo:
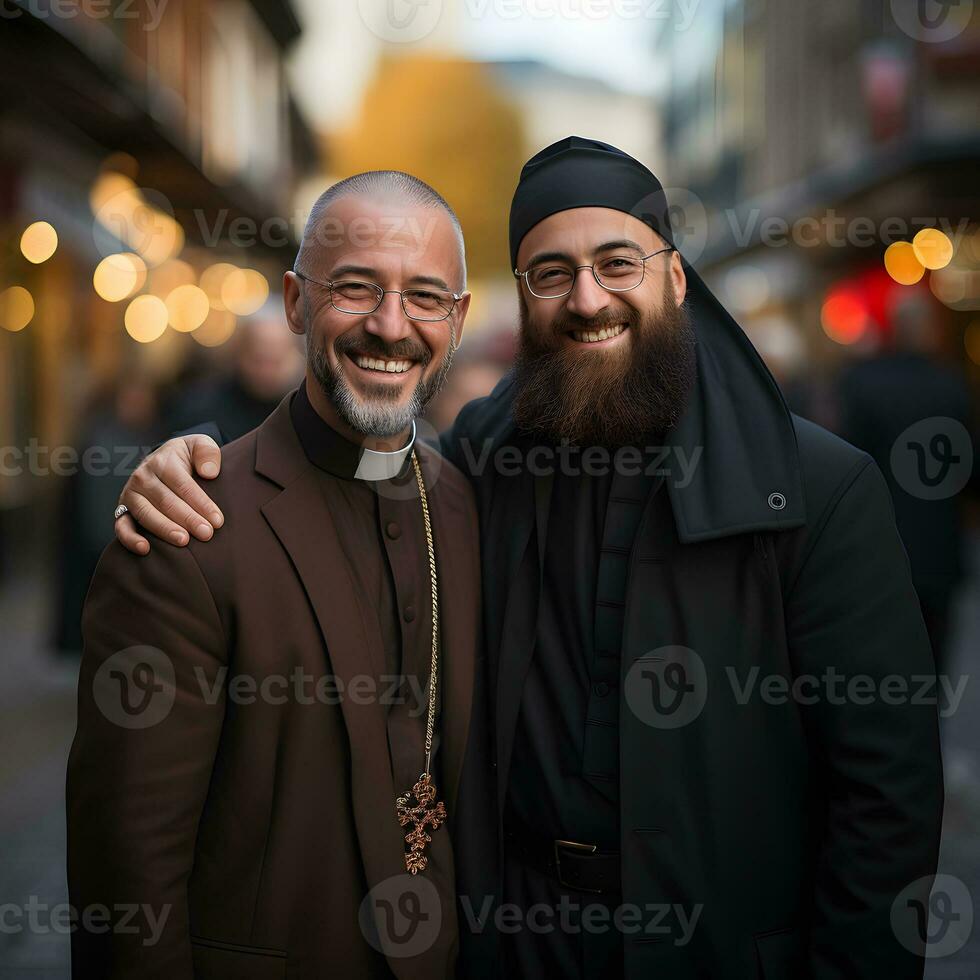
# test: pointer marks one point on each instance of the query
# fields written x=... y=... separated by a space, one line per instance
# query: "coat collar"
x=747 y=477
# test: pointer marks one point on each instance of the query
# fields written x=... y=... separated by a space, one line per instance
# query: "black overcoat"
x=800 y=824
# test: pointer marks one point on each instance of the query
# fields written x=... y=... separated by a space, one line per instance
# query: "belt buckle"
x=575 y=846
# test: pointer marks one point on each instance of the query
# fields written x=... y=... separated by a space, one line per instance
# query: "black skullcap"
x=583 y=173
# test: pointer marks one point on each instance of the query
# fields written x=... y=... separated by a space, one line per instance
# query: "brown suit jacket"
x=214 y=836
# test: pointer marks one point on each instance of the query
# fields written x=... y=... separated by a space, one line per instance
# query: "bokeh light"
x=16 y=308
x=39 y=242
x=118 y=276
x=121 y=208
x=159 y=236
x=212 y=279
x=844 y=317
x=167 y=277
x=244 y=291
x=187 y=307
x=902 y=264
x=216 y=329
x=146 y=318
x=932 y=248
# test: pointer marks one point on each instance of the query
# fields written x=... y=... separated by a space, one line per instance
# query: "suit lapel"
x=321 y=567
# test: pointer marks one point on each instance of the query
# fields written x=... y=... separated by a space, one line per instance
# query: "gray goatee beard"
x=378 y=413
x=605 y=397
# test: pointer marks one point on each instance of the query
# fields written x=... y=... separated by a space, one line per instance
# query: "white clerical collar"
x=375 y=465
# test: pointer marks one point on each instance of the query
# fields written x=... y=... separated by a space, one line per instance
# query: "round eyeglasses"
x=427 y=303
x=616 y=273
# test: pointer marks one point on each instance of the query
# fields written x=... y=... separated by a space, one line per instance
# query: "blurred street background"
x=158 y=159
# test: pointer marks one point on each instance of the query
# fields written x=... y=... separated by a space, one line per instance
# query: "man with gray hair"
x=267 y=777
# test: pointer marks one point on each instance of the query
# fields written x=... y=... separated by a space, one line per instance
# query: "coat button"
x=601 y=689
x=393 y=530
x=409 y=613
x=777 y=501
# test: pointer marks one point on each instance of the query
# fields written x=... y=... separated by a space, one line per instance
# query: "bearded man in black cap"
x=713 y=758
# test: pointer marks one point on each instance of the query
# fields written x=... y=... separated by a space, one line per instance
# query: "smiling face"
x=603 y=365
x=371 y=373
x=591 y=317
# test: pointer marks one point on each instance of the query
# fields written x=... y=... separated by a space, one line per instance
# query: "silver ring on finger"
x=119 y=511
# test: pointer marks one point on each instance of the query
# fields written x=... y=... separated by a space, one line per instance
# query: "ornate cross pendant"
x=425 y=813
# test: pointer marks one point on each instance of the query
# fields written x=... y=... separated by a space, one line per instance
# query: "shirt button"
x=409 y=613
x=393 y=530
x=601 y=689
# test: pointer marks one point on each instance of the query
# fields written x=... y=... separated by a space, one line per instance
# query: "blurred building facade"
x=145 y=147
x=808 y=138
x=554 y=104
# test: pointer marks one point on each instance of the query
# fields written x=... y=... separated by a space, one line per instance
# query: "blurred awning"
x=918 y=178
x=66 y=80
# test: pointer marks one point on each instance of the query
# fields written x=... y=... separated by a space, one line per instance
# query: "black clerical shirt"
x=547 y=790
x=382 y=533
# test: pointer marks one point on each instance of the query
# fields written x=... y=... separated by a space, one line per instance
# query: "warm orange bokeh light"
x=902 y=264
x=16 y=308
x=39 y=242
x=146 y=318
x=118 y=276
x=187 y=307
x=244 y=291
x=932 y=248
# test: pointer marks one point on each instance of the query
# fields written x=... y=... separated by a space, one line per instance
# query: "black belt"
x=582 y=867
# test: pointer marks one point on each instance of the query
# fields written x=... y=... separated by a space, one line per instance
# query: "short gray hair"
x=381 y=183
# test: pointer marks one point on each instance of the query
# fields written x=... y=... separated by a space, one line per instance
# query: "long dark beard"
x=605 y=397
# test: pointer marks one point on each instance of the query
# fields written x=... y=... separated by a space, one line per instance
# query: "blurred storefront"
x=807 y=140
x=150 y=153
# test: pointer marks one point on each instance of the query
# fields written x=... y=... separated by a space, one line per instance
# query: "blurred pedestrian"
x=268 y=363
x=119 y=430
x=879 y=399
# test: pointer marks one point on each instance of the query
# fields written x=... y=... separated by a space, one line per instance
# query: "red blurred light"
x=844 y=315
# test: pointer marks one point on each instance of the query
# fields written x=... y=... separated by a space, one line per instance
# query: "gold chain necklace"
x=425 y=812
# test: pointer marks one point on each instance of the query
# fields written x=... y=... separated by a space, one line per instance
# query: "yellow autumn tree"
x=443 y=120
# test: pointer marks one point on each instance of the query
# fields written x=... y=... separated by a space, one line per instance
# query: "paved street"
x=37 y=719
